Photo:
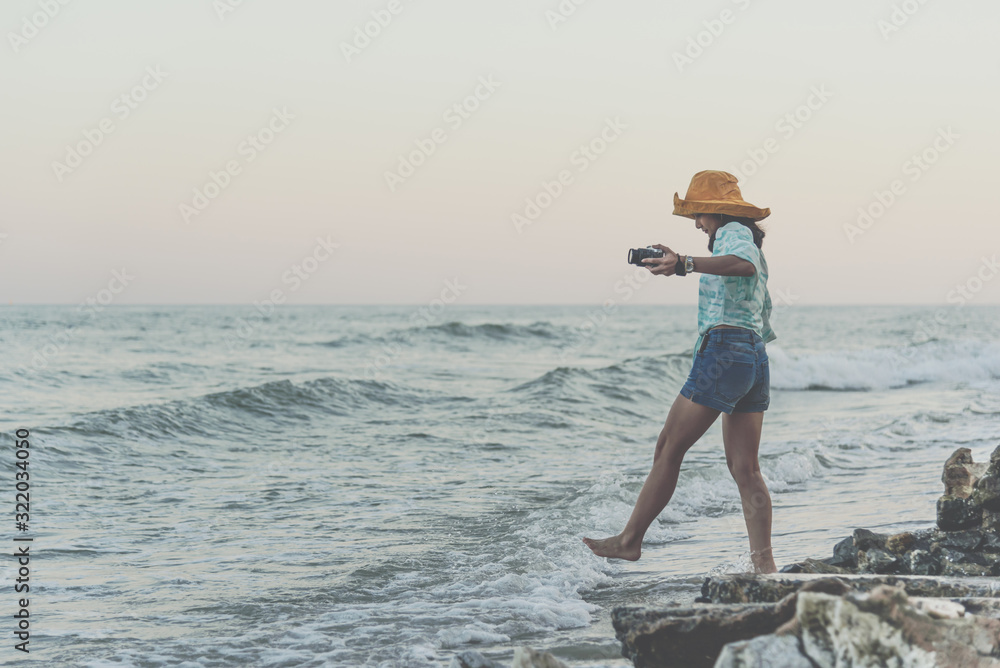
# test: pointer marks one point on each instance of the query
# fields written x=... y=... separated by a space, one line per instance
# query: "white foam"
x=884 y=368
x=529 y=583
x=707 y=491
x=416 y=656
x=743 y=564
x=476 y=632
x=790 y=468
x=604 y=508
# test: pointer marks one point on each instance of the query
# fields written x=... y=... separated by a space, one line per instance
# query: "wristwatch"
x=688 y=264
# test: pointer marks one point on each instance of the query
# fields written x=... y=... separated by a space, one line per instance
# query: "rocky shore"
x=917 y=598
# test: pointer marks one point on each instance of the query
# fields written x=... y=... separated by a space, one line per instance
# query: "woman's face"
x=707 y=222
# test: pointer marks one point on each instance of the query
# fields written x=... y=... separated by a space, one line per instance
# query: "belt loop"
x=704 y=342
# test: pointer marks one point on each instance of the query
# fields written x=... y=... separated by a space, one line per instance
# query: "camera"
x=637 y=255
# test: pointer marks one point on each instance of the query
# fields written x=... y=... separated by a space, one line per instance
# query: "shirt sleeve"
x=766 y=332
x=736 y=239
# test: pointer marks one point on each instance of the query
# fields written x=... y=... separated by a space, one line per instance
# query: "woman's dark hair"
x=758 y=234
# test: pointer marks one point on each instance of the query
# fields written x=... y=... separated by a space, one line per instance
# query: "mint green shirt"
x=741 y=301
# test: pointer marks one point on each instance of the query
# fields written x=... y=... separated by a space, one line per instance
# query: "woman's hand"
x=663 y=266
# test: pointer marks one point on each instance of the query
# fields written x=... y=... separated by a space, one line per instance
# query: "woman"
x=730 y=371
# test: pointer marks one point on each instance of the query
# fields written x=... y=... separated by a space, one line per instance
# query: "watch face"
x=688 y=263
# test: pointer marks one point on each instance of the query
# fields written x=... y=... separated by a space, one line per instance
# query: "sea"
x=391 y=486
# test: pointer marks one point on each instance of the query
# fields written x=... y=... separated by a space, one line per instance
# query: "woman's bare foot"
x=615 y=547
x=763 y=561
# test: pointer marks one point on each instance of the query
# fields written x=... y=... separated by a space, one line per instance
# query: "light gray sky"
x=871 y=85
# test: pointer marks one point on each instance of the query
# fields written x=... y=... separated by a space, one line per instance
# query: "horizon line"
x=468 y=305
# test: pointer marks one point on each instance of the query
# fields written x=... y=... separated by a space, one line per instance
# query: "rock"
x=812 y=566
x=877 y=561
x=921 y=552
x=900 y=542
x=882 y=628
x=970 y=551
x=985 y=607
x=986 y=491
x=873 y=552
x=921 y=562
x=770 y=651
x=845 y=554
x=961 y=473
x=525 y=657
x=990 y=542
x=991 y=520
x=962 y=541
x=937 y=608
x=965 y=569
x=971 y=493
x=956 y=513
x=691 y=637
x=869 y=540
x=880 y=620
x=744 y=587
x=471 y=659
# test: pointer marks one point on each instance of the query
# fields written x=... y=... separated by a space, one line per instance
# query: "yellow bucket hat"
x=712 y=191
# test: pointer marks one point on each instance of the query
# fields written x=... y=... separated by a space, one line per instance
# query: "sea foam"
x=884 y=368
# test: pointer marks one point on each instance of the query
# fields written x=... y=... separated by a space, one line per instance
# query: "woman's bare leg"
x=686 y=422
x=741 y=435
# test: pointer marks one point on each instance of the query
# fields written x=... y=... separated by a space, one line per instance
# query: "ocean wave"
x=455 y=330
x=493 y=330
x=476 y=591
x=245 y=409
x=885 y=368
x=626 y=381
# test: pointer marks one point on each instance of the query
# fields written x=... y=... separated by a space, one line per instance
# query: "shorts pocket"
x=765 y=381
x=735 y=377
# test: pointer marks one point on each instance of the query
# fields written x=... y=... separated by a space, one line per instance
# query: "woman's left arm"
x=723 y=265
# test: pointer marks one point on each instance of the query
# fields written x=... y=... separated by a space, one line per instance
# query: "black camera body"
x=637 y=255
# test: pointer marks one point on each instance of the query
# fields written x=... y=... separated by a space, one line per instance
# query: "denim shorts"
x=730 y=372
